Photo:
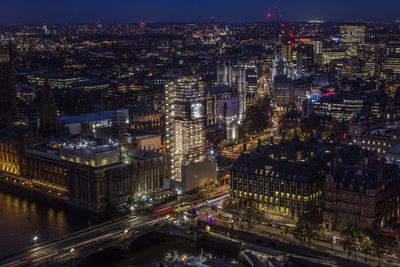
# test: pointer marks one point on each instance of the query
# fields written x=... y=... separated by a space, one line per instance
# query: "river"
x=149 y=252
x=22 y=218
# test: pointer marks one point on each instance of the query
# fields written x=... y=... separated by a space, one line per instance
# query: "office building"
x=98 y=124
x=377 y=139
x=341 y=106
x=228 y=111
x=149 y=170
x=285 y=179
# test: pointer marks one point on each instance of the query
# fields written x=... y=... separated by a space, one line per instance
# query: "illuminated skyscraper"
x=7 y=82
x=185 y=121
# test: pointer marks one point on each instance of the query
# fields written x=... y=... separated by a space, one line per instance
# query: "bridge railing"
x=64 y=237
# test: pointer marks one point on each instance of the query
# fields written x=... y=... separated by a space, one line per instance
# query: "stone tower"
x=7 y=82
x=48 y=111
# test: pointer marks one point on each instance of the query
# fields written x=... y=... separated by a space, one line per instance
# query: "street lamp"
x=72 y=250
x=35 y=238
x=126 y=231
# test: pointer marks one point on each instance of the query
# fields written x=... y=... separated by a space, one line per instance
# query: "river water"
x=150 y=252
x=22 y=218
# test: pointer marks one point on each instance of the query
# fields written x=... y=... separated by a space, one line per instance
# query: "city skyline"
x=124 y=11
x=263 y=132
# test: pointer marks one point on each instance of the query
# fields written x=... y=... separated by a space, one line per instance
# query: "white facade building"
x=185 y=135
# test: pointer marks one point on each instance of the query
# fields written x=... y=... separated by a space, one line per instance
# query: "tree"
x=381 y=241
x=365 y=243
x=309 y=227
x=258 y=117
x=378 y=243
x=351 y=236
x=339 y=130
x=245 y=213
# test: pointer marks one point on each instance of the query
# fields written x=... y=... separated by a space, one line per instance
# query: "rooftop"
x=93 y=145
x=143 y=154
x=89 y=116
x=219 y=89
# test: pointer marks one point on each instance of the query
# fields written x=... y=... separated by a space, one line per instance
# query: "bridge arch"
x=115 y=247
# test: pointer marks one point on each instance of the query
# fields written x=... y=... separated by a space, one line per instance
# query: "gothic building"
x=235 y=77
x=48 y=111
x=7 y=82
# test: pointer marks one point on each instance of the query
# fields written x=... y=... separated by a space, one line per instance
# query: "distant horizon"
x=202 y=22
x=27 y=12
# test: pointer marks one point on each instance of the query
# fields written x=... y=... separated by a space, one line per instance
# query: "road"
x=233 y=151
x=72 y=245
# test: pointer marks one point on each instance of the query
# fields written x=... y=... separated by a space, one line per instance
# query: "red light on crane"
x=283 y=25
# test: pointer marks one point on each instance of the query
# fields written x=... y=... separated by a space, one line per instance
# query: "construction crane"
x=282 y=30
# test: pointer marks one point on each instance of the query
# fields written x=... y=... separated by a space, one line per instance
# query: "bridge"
x=72 y=249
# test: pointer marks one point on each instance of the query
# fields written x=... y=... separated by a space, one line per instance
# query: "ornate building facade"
x=7 y=82
x=48 y=111
x=361 y=194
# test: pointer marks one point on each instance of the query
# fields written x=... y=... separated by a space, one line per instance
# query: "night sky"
x=86 y=11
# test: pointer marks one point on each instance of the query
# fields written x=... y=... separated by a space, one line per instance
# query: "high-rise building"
x=239 y=89
x=185 y=135
x=228 y=117
x=304 y=58
x=7 y=82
